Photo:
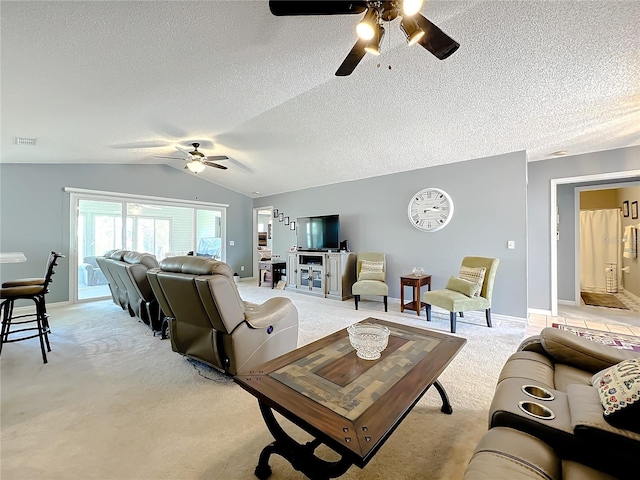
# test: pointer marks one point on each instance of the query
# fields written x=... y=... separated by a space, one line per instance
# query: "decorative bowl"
x=368 y=339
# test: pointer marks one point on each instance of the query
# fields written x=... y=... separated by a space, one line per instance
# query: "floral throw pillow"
x=619 y=389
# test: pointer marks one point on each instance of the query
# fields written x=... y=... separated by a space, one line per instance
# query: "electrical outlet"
x=511 y=244
x=242 y=268
x=232 y=243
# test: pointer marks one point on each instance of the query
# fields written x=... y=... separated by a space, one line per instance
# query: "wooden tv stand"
x=325 y=274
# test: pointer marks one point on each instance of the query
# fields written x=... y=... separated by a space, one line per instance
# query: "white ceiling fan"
x=198 y=160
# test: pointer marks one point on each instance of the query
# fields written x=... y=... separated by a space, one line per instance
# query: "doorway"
x=564 y=222
x=608 y=278
x=262 y=236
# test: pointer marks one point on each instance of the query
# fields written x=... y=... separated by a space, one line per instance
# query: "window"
x=162 y=227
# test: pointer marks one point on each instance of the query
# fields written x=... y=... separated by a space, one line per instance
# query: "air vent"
x=24 y=141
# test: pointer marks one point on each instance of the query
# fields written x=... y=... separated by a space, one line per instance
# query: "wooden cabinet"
x=341 y=274
x=310 y=278
x=292 y=270
x=324 y=274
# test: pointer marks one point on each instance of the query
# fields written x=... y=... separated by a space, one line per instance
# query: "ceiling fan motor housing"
x=195 y=152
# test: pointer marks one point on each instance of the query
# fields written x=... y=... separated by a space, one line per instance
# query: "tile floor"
x=598 y=318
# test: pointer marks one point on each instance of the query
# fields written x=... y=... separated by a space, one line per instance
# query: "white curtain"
x=600 y=243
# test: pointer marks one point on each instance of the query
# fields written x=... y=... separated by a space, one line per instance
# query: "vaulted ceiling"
x=124 y=82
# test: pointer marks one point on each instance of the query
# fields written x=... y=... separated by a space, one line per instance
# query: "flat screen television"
x=318 y=233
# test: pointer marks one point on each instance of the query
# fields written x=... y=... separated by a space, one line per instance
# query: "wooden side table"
x=414 y=281
x=275 y=270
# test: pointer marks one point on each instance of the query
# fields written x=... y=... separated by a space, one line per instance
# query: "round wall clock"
x=430 y=209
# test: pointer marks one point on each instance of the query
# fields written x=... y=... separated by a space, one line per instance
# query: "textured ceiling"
x=95 y=82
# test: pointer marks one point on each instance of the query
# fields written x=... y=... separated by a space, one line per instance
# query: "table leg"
x=417 y=301
x=446 y=405
x=301 y=457
x=401 y=297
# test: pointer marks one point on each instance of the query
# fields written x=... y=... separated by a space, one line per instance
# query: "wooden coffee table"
x=349 y=404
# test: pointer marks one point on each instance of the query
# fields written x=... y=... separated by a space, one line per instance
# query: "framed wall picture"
x=286 y=220
x=275 y=213
x=634 y=210
x=281 y=217
x=292 y=226
x=625 y=208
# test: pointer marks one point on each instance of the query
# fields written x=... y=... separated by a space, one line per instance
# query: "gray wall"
x=539 y=208
x=489 y=197
x=566 y=243
x=34 y=210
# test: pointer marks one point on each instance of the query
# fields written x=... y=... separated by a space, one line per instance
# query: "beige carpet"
x=116 y=403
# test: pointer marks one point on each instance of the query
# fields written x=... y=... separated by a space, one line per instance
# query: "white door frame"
x=577 y=190
x=254 y=267
x=553 y=218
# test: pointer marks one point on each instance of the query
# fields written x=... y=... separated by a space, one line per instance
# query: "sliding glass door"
x=160 y=227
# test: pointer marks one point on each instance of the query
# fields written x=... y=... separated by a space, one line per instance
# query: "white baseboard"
x=633 y=297
x=566 y=302
x=538 y=311
x=31 y=308
x=480 y=314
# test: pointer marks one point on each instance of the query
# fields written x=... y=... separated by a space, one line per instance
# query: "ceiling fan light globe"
x=372 y=49
x=411 y=7
x=373 y=46
x=365 y=31
x=415 y=36
x=412 y=31
x=195 y=166
x=366 y=27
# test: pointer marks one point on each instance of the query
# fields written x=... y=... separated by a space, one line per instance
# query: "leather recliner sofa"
x=132 y=270
x=118 y=290
x=546 y=418
x=126 y=272
x=209 y=321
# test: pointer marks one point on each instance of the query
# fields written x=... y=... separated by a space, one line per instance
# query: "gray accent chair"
x=456 y=303
x=367 y=286
x=208 y=320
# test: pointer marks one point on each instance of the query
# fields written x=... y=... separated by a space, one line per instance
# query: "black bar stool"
x=28 y=289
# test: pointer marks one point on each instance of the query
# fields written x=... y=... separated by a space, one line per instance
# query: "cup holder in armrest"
x=537 y=392
x=536 y=410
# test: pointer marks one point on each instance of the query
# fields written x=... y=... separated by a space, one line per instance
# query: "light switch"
x=232 y=243
x=511 y=244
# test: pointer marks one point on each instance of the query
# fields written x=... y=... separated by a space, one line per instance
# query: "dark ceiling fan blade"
x=216 y=158
x=283 y=8
x=215 y=165
x=435 y=40
x=172 y=158
x=353 y=59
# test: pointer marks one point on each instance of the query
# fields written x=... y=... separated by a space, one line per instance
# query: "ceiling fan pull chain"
x=389 y=28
